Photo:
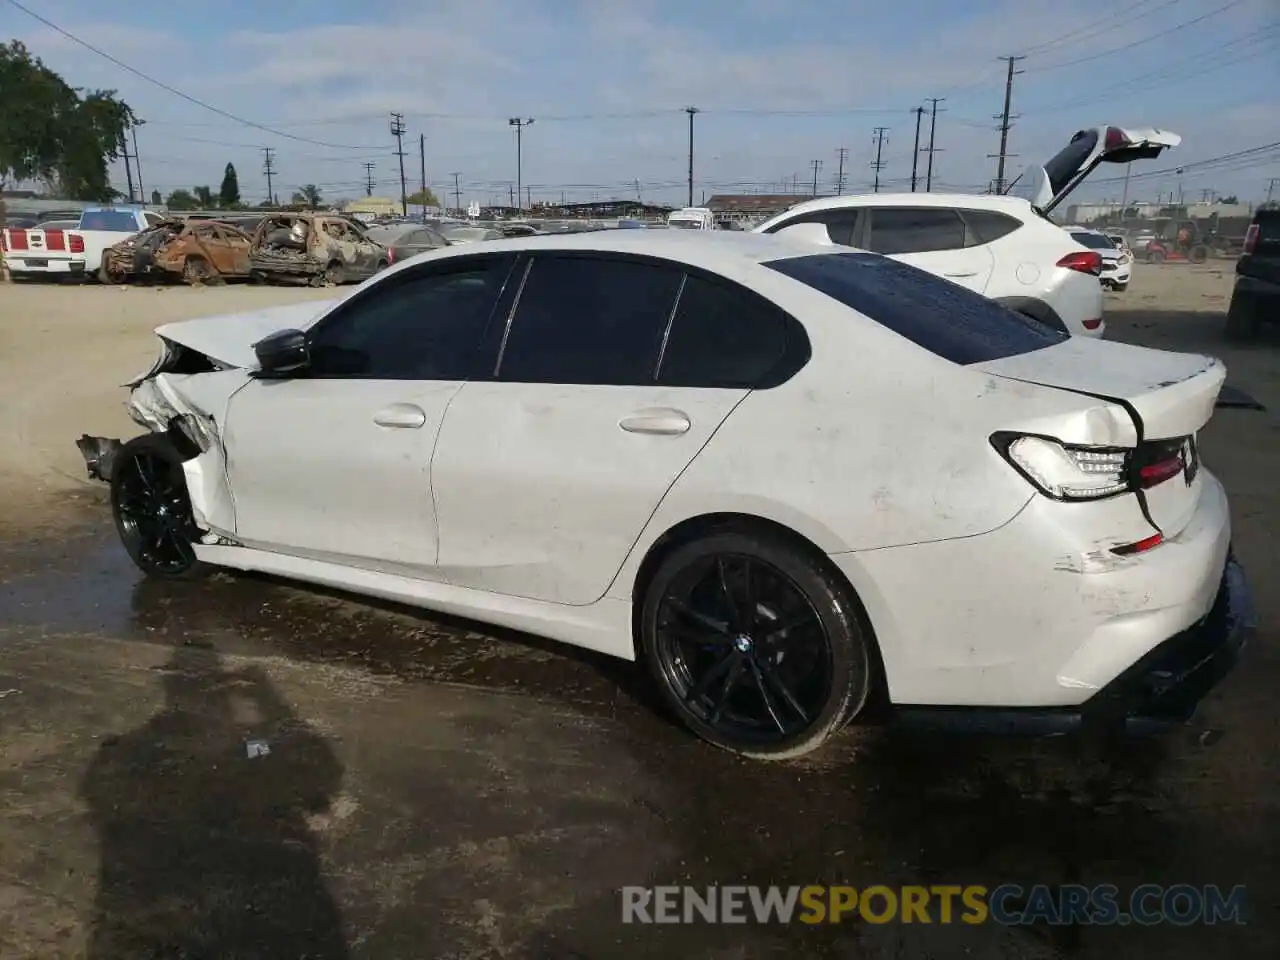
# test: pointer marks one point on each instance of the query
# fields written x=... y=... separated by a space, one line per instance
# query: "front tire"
x=152 y=509
x=755 y=644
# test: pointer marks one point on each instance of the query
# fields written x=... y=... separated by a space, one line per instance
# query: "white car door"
x=333 y=463
x=611 y=375
x=934 y=239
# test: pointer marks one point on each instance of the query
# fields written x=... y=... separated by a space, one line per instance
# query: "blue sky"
x=779 y=83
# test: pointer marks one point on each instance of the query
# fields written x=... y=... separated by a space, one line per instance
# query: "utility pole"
x=528 y=196
x=268 y=167
x=397 y=131
x=933 y=127
x=915 y=153
x=511 y=195
x=457 y=192
x=1271 y=187
x=691 y=111
x=519 y=125
x=842 y=153
x=368 y=178
x=1124 y=197
x=817 y=165
x=1004 y=119
x=422 y=161
x=137 y=164
x=128 y=170
x=877 y=164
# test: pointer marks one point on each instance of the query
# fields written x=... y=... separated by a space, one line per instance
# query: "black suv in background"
x=1256 y=297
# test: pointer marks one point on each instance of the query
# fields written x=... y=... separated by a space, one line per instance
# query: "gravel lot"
x=437 y=789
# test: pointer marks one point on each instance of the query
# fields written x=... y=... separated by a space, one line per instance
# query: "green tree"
x=229 y=193
x=54 y=133
x=204 y=197
x=155 y=198
x=307 y=196
x=182 y=200
x=423 y=198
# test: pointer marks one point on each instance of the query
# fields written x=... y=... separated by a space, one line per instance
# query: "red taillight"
x=1093 y=324
x=18 y=239
x=391 y=255
x=1142 y=546
x=1157 y=473
x=1116 y=139
x=1251 y=238
x=1083 y=261
x=77 y=243
x=55 y=240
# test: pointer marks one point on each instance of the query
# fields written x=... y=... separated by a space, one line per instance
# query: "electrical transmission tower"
x=1004 y=119
x=878 y=164
x=397 y=131
x=843 y=154
x=269 y=168
x=817 y=165
x=368 y=178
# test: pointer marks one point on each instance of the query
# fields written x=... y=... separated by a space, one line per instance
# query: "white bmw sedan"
x=789 y=479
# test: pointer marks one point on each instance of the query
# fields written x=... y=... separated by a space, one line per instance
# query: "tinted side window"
x=425 y=327
x=589 y=320
x=942 y=317
x=906 y=230
x=988 y=226
x=721 y=337
x=842 y=225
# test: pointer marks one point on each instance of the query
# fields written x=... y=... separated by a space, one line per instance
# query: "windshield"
x=944 y=318
x=113 y=221
x=1094 y=241
x=685 y=224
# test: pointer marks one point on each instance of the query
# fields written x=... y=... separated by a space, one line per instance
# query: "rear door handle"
x=663 y=421
x=403 y=415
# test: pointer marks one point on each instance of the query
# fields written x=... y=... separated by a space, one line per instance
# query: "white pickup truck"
x=72 y=253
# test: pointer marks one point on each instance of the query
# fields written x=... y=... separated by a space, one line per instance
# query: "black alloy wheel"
x=152 y=509
x=755 y=645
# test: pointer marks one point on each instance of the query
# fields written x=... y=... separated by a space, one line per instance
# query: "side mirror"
x=282 y=353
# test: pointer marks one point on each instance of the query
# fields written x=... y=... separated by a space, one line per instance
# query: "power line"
x=1144 y=40
x=1004 y=118
x=1107 y=23
x=397 y=131
x=173 y=90
x=877 y=164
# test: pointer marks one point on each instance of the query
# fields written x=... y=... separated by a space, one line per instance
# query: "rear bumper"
x=31 y=265
x=1260 y=297
x=1160 y=690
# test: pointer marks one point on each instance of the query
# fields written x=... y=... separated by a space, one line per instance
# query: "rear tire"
x=196 y=271
x=755 y=644
x=1155 y=256
x=152 y=509
x=1242 y=319
x=335 y=274
x=1120 y=287
x=1198 y=255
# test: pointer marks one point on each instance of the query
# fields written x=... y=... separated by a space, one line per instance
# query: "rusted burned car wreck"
x=197 y=251
x=315 y=249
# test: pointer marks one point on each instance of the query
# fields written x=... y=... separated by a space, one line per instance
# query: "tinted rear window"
x=115 y=221
x=938 y=315
x=1093 y=241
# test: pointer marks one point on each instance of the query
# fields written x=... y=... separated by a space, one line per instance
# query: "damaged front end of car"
x=185 y=396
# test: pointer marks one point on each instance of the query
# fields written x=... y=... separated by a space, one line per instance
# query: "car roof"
x=703 y=248
x=972 y=201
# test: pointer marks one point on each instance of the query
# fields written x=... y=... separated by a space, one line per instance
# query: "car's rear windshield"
x=1094 y=241
x=942 y=317
x=115 y=221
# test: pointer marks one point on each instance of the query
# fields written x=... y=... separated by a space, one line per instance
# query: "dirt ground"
x=436 y=789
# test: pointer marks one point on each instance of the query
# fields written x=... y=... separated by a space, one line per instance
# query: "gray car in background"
x=412 y=242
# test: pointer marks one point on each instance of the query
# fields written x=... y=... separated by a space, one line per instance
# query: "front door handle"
x=663 y=421
x=971 y=273
x=403 y=415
